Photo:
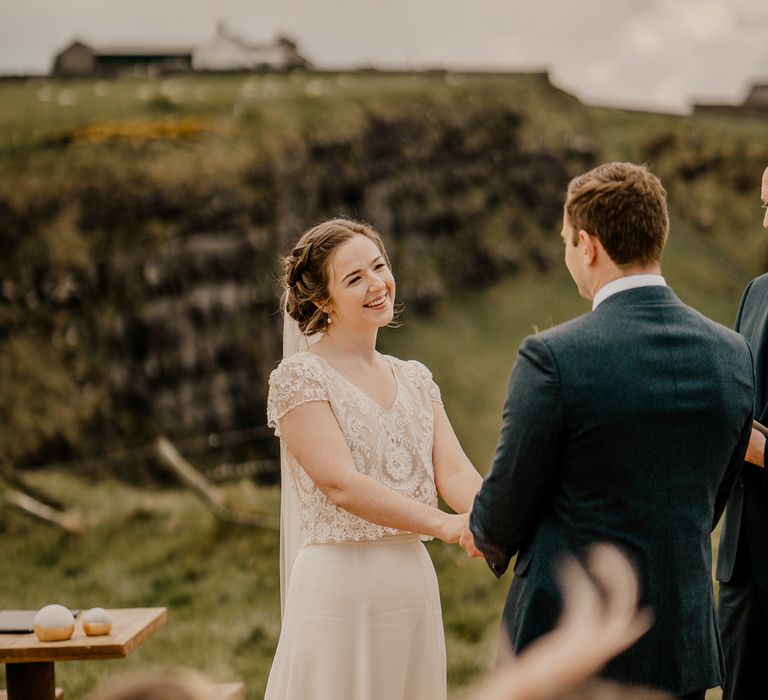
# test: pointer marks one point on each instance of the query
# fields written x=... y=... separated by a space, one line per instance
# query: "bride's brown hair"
x=305 y=270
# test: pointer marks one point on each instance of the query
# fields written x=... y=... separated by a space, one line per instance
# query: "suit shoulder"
x=564 y=333
x=757 y=285
x=592 y=329
x=760 y=282
x=726 y=343
x=563 y=330
x=547 y=349
x=723 y=332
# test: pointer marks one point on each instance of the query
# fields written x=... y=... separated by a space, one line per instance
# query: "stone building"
x=755 y=104
x=79 y=59
x=225 y=51
x=758 y=97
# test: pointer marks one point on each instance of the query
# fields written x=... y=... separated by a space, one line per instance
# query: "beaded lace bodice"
x=392 y=446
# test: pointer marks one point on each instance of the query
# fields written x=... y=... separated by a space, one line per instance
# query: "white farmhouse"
x=226 y=51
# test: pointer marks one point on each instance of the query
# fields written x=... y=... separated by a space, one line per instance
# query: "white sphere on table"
x=97 y=622
x=53 y=623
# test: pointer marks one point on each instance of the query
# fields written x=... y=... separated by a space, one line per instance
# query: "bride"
x=366 y=447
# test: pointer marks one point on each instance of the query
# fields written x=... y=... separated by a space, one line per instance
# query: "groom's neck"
x=612 y=272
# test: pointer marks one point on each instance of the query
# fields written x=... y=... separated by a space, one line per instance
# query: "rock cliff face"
x=170 y=323
x=190 y=358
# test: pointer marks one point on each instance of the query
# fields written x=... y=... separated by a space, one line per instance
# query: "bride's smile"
x=378 y=302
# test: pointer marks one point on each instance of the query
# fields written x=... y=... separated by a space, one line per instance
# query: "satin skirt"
x=362 y=622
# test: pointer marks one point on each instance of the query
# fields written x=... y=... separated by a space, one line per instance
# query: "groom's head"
x=615 y=222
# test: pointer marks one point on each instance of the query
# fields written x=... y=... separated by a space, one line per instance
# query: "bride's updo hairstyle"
x=306 y=270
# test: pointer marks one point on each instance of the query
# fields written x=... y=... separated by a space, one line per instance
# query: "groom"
x=628 y=425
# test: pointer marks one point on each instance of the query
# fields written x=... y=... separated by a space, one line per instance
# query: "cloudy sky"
x=636 y=53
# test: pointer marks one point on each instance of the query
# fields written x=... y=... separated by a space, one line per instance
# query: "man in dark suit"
x=628 y=425
x=742 y=564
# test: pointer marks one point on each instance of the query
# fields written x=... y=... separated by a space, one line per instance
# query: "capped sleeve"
x=424 y=377
x=297 y=380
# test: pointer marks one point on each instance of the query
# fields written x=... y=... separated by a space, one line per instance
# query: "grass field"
x=261 y=107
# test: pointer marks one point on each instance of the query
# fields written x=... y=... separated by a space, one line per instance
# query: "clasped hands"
x=467 y=542
x=457 y=531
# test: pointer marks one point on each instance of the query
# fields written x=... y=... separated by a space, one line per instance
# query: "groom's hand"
x=756 y=448
x=467 y=543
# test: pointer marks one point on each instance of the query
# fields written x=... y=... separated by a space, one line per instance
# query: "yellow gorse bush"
x=133 y=132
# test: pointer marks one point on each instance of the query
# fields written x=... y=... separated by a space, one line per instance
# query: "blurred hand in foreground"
x=600 y=619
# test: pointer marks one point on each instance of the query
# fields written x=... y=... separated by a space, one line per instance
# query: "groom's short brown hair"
x=625 y=207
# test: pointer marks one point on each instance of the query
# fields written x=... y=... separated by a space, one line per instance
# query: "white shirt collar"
x=622 y=284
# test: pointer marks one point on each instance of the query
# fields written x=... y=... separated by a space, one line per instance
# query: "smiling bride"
x=366 y=448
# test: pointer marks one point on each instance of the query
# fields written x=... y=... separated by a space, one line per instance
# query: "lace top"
x=392 y=446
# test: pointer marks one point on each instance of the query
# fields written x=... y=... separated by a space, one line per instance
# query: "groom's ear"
x=589 y=245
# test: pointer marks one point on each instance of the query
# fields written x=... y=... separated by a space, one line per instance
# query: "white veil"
x=290 y=525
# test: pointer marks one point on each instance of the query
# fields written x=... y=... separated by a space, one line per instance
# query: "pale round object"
x=53 y=623
x=97 y=622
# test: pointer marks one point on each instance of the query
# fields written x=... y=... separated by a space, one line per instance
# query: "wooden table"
x=29 y=663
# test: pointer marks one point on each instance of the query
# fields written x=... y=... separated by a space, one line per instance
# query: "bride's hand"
x=467 y=543
x=452 y=526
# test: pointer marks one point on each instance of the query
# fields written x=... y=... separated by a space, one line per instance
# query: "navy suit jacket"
x=747 y=511
x=629 y=425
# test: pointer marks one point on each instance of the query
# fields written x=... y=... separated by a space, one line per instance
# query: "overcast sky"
x=642 y=53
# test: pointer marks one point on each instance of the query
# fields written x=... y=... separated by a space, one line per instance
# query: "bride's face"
x=361 y=285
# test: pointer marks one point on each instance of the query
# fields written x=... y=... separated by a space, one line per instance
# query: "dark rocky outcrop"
x=143 y=307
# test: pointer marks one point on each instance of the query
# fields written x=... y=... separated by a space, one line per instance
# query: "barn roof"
x=140 y=50
x=131 y=49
